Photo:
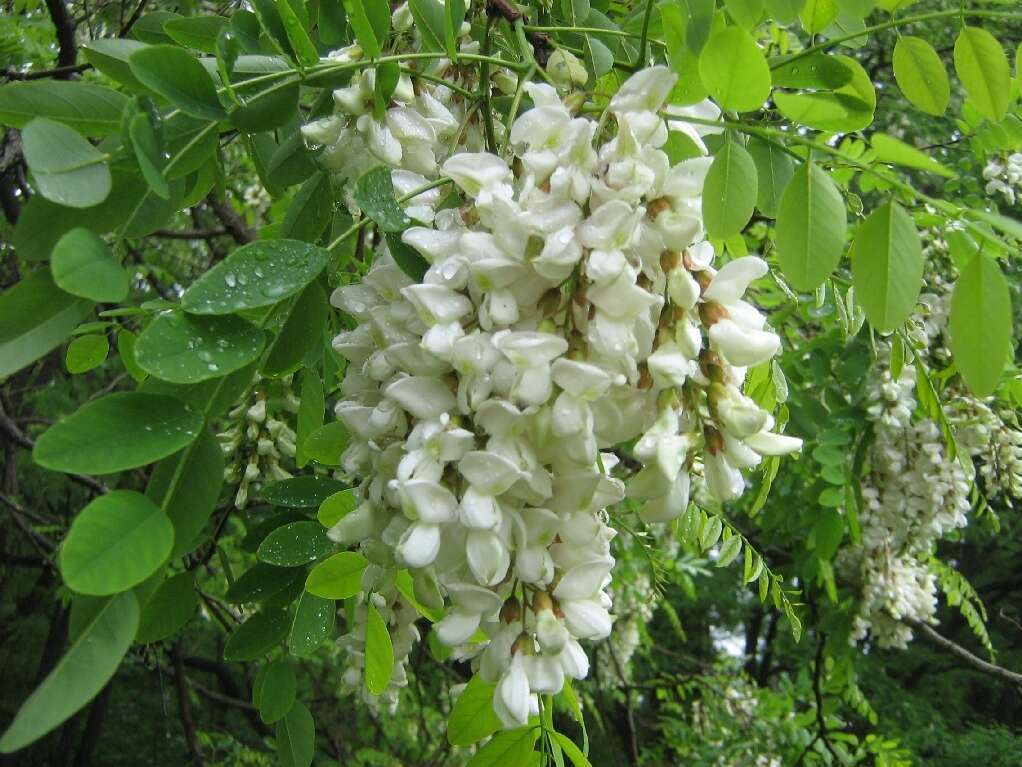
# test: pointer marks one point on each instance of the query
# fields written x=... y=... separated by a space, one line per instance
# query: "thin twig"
x=939 y=640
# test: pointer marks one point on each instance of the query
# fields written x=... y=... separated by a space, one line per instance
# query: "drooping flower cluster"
x=569 y=307
x=258 y=439
x=914 y=495
x=1004 y=177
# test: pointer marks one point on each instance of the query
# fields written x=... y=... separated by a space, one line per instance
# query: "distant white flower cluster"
x=1004 y=177
x=257 y=439
x=914 y=495
x=570 y=306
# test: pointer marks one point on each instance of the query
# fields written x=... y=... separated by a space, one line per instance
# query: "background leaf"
x=67 y=169
x=78 y=677
x=811 y=227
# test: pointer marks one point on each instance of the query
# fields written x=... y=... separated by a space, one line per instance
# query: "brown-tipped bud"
x=714 y=440
x=714 y=395
x=655 y=207
x=704 y=278
x=644 y=282
x=711 y=365
x=592 y=312
x=686 y=260
x=711 y=313
x=511 y=612
x=579 y=296
x=541 y=601
x=645 y=378
x=545 y=187
x=669 y=260
x=575 y=101
x=550 y=302
x=469 y=215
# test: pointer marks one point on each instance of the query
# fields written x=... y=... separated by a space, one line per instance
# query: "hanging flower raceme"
x=570 y=306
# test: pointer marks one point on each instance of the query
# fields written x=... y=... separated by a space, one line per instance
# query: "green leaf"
x=746 y=13
x=370 y=20
x=313 y=623
x=117 y=432
x=277 y=691
x=430 y=21
x=186 y=486
x=828 y=532
x=148 y=154
x=817 y=15
x=258 y=274
x=86 y=353
x=198 y=32
x=339 y=577
x=93 y=110
x=818 y=70
x=149 y=28
x=110 y=56
x=784 y=11
x=83 y=265
x=35 y=318
x=310 y=211
x=169 y=609
x=295 y=544
x=980 y=324
x=310 y=412
x=508 y=748
x=301 y=335
x=257 y=636
x=184 y=349
x=374 y=193
x=261 y=582
x=126 y=350
x=115 y=542
x=306 y=492
x=811 y=227
x=296 y=737
x=887 y=267
x=473 y=717
x=574 y=752
x=734 y=71
x=88 y=665
x=729 y=551
x=388 y=74
x=890 y=150
x=67 y=169
x=326 y=444
x=408 y=258
x=379 y=651
x=178 y=77
x=336 y=507
x=774 y=169
x=921 y=75
x=297 y=35
x=729 y=194
x=983 y=69
x=454 y=15
x=848 y=108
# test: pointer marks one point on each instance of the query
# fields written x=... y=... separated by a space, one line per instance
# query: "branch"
x=189 y=234
x=68 y=51
x=58 y=73
x=8 y=427
x=185 y=707
x=232 y=222
x=938 y=640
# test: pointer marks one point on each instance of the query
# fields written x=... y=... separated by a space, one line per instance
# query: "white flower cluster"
x=914 y=495
x=424 y=123
x=1004 y=177
x=257 y=439
x=569 y=307
x=993 y=439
